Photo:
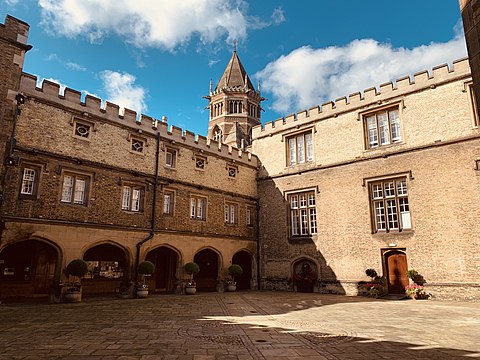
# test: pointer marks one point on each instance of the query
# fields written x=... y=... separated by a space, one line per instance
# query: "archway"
x=28 y=268
x=166 y=262
x=107 y=267
x=304 y=275
x=206 y=279
x=396 y=268
x=244 y=259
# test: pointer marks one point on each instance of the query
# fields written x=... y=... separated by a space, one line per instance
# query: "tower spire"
x=235 y=45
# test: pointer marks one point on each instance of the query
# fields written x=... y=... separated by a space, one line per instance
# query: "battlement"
x=91 y=108
x=14 y=29
x=404 y=85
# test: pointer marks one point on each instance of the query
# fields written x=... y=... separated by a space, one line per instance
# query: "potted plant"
x=233 y=270
x=144 y=268
x=376 y=286
x=75 y=268
x=415 y=277
x=191 y=269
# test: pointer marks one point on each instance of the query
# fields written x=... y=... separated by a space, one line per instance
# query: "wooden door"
x=396 y=262
x=206 y=279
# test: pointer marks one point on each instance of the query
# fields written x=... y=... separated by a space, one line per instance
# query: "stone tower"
x=471 y=23
x=13 y=46
x=234 y=106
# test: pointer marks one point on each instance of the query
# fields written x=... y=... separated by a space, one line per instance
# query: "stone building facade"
x=387 y=179
x=85 y=181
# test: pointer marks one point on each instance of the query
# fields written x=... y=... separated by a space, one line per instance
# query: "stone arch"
x=210 y=262
x=245 y=259
x=304 y=273
x=29 y=267
x=109 y=264
x=167 y=260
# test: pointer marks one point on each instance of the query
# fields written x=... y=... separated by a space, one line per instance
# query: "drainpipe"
x=257 y=233
x=154 y=207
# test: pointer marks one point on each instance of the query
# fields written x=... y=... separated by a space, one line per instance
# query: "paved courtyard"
x=243 y=326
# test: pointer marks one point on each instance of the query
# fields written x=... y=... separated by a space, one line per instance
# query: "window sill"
x=302 y=240
x=383 y=147
x=396 y=233
x=137 y=153
x=87 y=139
x=132 y=212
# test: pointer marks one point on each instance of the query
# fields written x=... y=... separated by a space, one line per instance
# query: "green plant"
x=412 y=274
x=235 y=270
x=145 y=268
x=371 y=273
x=191 y=269
x=76 y=268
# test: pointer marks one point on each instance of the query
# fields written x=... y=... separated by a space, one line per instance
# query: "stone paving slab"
x=240 y=326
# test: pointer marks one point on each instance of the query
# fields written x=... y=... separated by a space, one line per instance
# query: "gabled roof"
x=234 y=75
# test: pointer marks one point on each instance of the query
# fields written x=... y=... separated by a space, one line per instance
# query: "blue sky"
x=158 y=56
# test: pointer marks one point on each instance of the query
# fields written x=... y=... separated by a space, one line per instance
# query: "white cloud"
x=12 y=2
x=159 y=23
x=278 y=16
x=120 y=89
x=74 y=66
x=307 y=77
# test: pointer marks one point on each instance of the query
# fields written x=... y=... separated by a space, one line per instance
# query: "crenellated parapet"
x=92 y=108
x=421 y=81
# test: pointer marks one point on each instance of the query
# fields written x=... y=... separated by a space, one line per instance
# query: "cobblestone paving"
x=241 y=326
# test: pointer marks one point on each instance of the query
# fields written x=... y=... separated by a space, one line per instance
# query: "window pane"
x=311 y=199
x=233 y=213
x=379 y=215
x=304 y=222
x=372 y=131
x=126 y=198
x=377 y=191
x=249 y=217
x=166 y=203
x=293 y=151
x=28 y=181
x=392 y=214
x=193 y=207
x=79 y=191
x=295 y=222
x=383 y=128
x=227 y=213
x=389 y=189
x=313 y=221
x=402 y=187
x=301 y=149
x=303 y=200
x=294 y=201
x=136 y=200
x=67 y=188
x=395 y=125
x=309 y=142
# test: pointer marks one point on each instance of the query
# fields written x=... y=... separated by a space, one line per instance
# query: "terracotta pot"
x=231 y=287
x=190 y=289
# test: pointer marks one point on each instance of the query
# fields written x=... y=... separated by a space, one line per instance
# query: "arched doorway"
x=304 y=275
x=166 y=262
x=107 y=267
x=27 y=268
x=396 y=268
x=206 y=279
x=244 y=259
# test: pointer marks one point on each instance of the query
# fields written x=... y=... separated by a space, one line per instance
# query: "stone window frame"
x=387 y=108
x=38 y=169
x=468 y=88
x=128 y=206
x=232 y=171
x=250 y=215
x=395 y=213
x=308 y=153
x=76 y=122
x=198 y=207
x=76 y=175
x=297 y=210
x=134 y=138
x=171 y=157
x=198 y=160
x=231 y=213
x=171 y=206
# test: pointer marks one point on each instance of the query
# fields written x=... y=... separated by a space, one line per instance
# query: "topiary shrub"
x=191 y=269
x=371 y=273
x=76 y=268
x=146 y=268
x=235 y=270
